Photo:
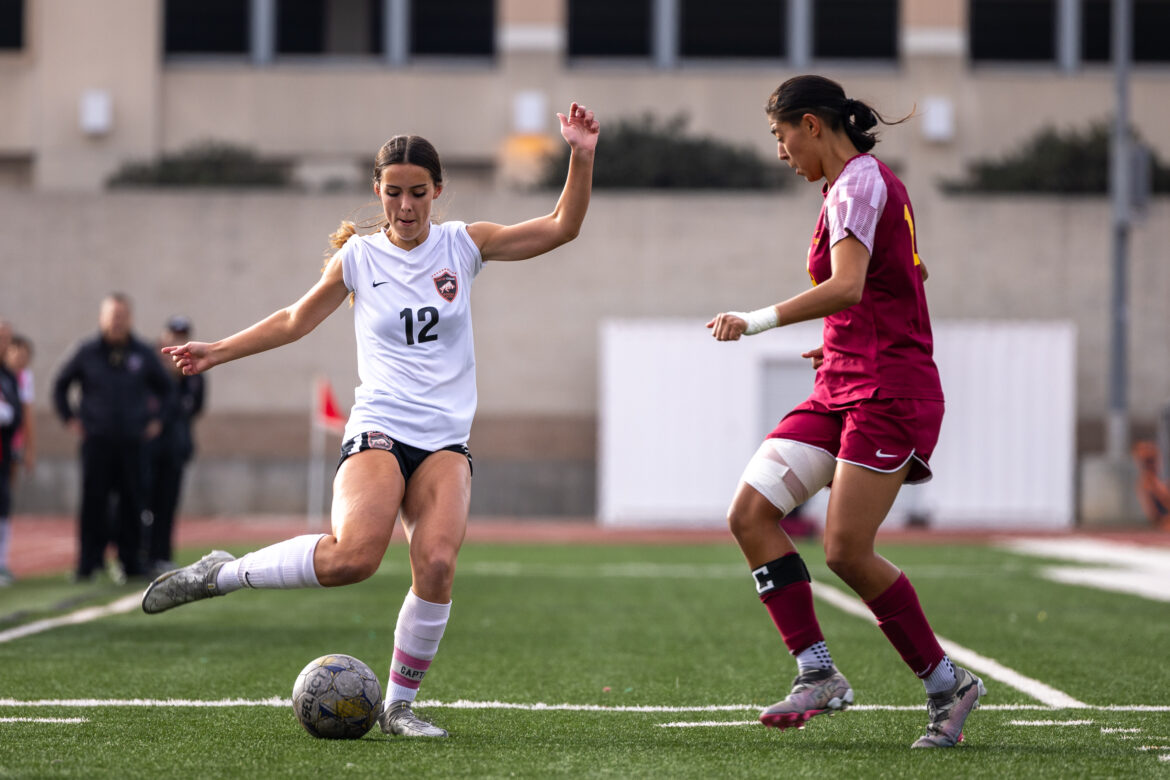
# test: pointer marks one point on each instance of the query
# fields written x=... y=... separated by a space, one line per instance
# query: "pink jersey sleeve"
x=854 y=203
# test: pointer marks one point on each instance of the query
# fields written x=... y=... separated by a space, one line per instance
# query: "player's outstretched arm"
x=536 y=236
x=850 y=262
x=279 y=328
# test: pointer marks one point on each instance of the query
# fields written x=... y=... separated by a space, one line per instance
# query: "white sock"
x=5 y=535
x=815 y=656
x=416 y=640
x=282 y=566
x=942 y=678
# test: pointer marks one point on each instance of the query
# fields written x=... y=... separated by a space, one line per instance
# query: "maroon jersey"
x=882 y=346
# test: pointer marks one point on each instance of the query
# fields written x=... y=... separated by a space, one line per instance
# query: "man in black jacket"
x=124 y=393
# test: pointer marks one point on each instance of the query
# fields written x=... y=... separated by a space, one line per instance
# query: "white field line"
x=686 y=724
x=1136 y=569
x=44 y=720
x=465 y=704
x=1050 y=723
x=121 y=606
x=961 y=655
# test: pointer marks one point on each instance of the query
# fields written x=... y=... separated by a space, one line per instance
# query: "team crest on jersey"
x=447 y=284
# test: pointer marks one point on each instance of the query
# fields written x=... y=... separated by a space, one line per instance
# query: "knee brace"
x=787 y=472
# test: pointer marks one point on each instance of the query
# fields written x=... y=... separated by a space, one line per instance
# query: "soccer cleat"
x=399 y=718
x=949 y=710
x=813 y=692
x=190 y=583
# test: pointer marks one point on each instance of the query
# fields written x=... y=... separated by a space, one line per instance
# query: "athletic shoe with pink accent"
x=813 y=692
x=949 y=710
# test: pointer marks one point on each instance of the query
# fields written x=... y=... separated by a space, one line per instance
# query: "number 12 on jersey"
x=428 y=318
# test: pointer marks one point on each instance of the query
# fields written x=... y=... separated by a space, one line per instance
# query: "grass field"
x=589 y=661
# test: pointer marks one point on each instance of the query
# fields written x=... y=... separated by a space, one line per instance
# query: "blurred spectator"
x=124 y=395
x=169 y=453
x=18 y=361
x=11 y=412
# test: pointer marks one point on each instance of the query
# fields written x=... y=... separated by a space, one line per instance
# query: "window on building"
x=453 y=27
x=11 y=24
x=609 y=28
x=206 y=27
x=1013 y=30
x=733 y=28
x=855 y=29
x=329 y=27
x=1151 y=21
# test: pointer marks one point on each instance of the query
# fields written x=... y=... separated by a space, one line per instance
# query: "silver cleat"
x=398 y=718
x=814 y=692
x=190 y=583
x=949 y=710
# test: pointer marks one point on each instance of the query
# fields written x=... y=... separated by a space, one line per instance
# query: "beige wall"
x=229 y=259
x=77 y=46
x=337 y=112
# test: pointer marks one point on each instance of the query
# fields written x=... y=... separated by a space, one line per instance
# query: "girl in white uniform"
x=405 y=442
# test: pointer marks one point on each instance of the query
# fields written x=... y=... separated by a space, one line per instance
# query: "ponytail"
x=337 y=240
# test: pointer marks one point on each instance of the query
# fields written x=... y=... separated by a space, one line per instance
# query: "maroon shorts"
x=880 y=434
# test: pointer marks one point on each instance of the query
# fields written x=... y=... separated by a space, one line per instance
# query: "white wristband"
x=759 y=320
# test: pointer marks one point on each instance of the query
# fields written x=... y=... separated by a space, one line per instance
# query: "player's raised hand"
x=191 y=358
x=580 y=129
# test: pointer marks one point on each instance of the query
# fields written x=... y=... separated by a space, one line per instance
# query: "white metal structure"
x=681 y=414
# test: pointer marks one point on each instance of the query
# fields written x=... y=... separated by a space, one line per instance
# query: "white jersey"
x=415 y=348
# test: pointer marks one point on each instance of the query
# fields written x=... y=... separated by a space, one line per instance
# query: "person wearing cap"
x=169 y=453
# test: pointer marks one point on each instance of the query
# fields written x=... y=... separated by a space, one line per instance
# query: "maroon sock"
x=901 y=619
x=791 y=608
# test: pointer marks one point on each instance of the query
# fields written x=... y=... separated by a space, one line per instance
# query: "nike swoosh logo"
x=881 y=454
x=378 y=283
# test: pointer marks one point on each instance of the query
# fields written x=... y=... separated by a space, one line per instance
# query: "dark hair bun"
x=862 y=116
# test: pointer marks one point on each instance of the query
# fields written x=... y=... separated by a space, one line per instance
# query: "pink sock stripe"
x=411 y=661
x=405 y=682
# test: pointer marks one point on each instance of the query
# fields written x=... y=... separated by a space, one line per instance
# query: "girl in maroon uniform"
x=871 y=422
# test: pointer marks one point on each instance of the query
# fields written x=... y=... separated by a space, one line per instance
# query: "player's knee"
x=347 y=567
x=787 y=473
x=746 y=519
x=844 y=559
x=435 y=568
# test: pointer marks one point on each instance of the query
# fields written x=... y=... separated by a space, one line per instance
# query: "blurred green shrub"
x=205 y=164
x=646 y=153
x=1065 y=163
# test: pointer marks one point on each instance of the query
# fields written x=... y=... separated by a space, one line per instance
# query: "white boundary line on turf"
x=962 y=655
x=464 y=704
x=44 y=720
x=121 y=606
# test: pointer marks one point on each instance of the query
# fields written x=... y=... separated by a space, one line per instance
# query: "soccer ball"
x=337 y=697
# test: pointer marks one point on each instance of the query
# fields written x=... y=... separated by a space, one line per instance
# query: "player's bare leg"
x=858 y=504
x=367 y=491
x=860 y=501
x=434 y=515
x=782 y=581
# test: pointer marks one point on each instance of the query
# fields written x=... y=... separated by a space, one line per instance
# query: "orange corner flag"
x=327 y=414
